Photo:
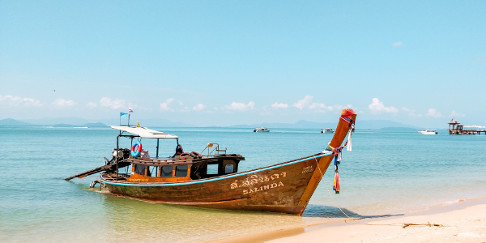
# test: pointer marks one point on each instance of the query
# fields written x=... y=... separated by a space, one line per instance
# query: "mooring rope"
x=329 y=191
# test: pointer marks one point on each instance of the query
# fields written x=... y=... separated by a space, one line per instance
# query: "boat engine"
x=118 y=155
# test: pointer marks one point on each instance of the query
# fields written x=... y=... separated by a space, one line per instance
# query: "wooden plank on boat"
x=97 y=170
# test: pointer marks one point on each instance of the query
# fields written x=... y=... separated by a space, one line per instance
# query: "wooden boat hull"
x=284 y=187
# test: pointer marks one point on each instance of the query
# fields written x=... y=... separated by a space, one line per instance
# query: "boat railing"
x=213 y=149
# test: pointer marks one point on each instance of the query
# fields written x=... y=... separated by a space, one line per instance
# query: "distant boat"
x=327 y=130
x=212 y=179
x=428 y=132
x=261 y=129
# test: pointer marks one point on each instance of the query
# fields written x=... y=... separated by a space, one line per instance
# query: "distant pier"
x=456 y=128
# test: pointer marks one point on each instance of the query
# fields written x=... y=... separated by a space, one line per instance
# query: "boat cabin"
x=181 y=166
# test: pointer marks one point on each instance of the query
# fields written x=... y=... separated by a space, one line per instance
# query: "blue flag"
x=122 y=114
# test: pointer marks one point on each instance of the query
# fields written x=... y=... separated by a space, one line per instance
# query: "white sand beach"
x=463 y=221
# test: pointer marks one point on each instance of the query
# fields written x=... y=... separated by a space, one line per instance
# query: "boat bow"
x=345 y=125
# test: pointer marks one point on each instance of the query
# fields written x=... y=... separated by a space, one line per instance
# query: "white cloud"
x=92 y=105
x=456 y=114
x=164 y=106
x=317 y=106
x=17 y=100
x=277 y=105
x=433 y=113
x=323 y=108
x=430 y=113
x=31 y=102
x=115 y=104
x=306 y=103
x=301 y=104
x=411 y=112
x=64 y=103
x=397 y=44
x=237 y=106
x=377 y=106
x=198 y=107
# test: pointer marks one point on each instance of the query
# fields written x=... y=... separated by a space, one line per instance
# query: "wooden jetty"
x=456 y=128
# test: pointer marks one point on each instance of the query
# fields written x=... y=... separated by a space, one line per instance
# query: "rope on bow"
x=337 y=160
x=338 y=153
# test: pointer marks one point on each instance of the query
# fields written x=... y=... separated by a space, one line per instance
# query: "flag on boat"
x=130 y=109
x=123 y=114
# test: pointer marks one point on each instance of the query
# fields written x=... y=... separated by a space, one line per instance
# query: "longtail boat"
x=212 y=180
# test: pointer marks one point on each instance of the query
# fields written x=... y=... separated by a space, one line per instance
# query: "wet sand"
x=459 y=221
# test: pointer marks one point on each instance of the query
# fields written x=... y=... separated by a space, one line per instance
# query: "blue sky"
x=237 y=62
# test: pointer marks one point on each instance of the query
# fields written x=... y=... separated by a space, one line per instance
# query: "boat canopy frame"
x=142 y=132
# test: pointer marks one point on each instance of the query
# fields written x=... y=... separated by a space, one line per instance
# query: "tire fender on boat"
x=136 y=149
x=183 y=156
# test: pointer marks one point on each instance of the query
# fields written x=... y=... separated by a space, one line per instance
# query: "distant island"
x=87 y=125
x=366 y=124
x=13 y=122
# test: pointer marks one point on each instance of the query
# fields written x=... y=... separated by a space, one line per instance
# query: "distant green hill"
x=96 y=124
x=12 y=122
x=360 y=124
x=399 y=129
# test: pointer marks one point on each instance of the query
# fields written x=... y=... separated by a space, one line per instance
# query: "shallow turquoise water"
x=386 y=173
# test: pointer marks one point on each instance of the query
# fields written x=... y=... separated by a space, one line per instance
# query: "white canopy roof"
x=144 y=132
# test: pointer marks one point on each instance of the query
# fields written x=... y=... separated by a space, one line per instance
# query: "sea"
x=388 y=172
